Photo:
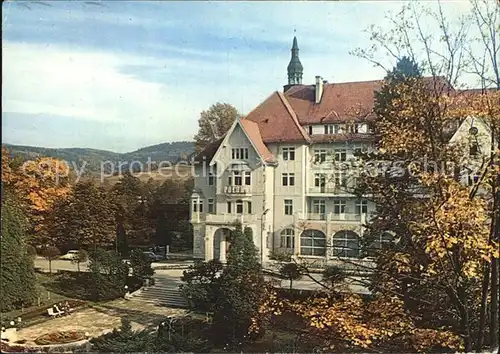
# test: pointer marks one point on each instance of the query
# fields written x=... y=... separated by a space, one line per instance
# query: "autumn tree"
x=86 y=219
x=39 y=183
x=50 y=253
x=214 y=123
x=447 y=244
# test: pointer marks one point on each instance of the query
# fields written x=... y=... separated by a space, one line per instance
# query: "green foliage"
x=122 y=240
x=241 y=290
x=31 y=251
x=141 y=265
x=18 y=281
x=214 y=123
x=182 y=343
x=50 y=253
x=333 y=275
x=86 y=218
x=290 y=271
x=108 y=275
x=124 y=340
x=202 y=284
x=281 y=256
x=81 y=257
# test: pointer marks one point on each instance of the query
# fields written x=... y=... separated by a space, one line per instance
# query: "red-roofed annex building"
x=273 y=171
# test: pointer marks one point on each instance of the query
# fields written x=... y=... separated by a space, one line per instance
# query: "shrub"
x=124 y=340
x=202 y=282
x=333 y=275
x=81 y=257
x=31 y=251
x=108 y=275
x=141 y=265
x=290 y=271
x=281 y=256
x=50 y=253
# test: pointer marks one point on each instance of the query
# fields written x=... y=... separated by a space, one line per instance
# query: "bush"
x=108 y=275
x=141 y=265
x=333 y=275
x=81 y=257
x=202 y=283
x=124 y=340
x=290 y=271
x=31 y=251
x=281 y=256
x=50 y=253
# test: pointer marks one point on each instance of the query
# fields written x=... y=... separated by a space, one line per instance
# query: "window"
x=237 y=178
x=474 y=149
x=340 y=155
x=249 y=207
x=320 y=155
x=328 y=129
x=313 y=243
x=200 y=206
x=195 y=206
x=339 y=206
x=339 y=179
x=288 y=153
x=346 y=244
x=211 y=179
x=239 y=153
x=288 y=179
x=229 y=208
x=211 y=206
x=319 y=208
x=287 y=239
x=361 y=207
x=239 y=206
x=319 y=180
x=310 y=130
x=352 y=128
x=288 y=207
x=248 y=178
x=379 y=242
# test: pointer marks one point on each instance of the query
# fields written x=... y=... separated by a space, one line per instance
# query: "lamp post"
x=262 y=232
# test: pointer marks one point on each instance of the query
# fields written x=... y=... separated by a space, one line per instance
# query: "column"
x=223 y=246
x=209 y=250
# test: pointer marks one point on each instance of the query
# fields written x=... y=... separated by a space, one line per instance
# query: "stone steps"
x=164 y=292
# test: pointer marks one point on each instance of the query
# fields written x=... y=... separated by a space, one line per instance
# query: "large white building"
x=277 y=172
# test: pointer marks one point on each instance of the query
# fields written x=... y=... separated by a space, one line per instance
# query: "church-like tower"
x=295 y=68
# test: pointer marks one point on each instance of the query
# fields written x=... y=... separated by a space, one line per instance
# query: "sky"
x=121 y=75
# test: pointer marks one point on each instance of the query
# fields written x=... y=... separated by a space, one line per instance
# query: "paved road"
x=355 y=284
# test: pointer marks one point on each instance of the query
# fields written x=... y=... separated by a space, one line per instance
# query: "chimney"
x=319 y=89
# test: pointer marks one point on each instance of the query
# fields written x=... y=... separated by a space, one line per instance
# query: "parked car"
x=153 y=257
x=70 y=255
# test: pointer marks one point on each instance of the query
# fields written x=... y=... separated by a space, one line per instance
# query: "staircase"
x=165 y=292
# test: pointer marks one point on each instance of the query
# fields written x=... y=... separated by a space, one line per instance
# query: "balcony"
x=336 y=190
x=227 y=219
x=237 y=190
x=337 y=217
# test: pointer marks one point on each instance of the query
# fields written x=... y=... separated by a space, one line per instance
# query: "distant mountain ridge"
x=172 y=152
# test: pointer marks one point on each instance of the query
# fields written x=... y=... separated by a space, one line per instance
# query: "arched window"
x=383 y=241
x=313 y=243
x=287 y=239
x=346 y=244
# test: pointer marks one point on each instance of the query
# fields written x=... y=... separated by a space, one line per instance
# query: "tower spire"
x=295 y=68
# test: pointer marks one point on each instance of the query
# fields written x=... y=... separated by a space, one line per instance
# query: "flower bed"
x=60 y=337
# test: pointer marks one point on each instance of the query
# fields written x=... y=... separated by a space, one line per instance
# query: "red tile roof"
x=277 y=120
x=253 y=133
x=339 y=102
x=340 y=138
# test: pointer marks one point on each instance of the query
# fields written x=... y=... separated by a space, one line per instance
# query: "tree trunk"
x=291 y=281
x=484 y=304
x=78 y=266
x=50 y=266
x=494 y=304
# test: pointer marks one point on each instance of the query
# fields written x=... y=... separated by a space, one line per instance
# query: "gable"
x=275 y=121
